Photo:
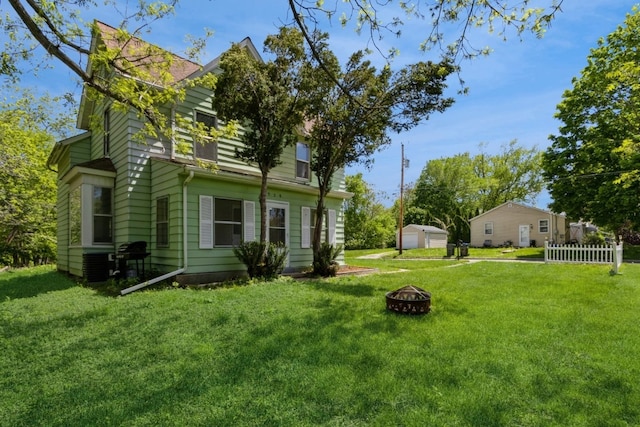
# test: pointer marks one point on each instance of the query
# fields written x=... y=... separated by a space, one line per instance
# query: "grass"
x=630 y=253
x=506 y=344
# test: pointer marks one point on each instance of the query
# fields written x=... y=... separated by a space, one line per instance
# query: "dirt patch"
x=346 y=270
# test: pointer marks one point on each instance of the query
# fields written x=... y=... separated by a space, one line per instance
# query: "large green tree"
x=445 y=195
x=353 y=115
x=593 y=164
x=28 y=128
x=265 y=98
x=367 y=223
x=451 y=190
x=514 y=174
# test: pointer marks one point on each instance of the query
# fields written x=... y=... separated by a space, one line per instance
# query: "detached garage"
x=422 y=236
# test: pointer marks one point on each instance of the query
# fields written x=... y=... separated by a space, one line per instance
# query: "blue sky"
x=513 y=93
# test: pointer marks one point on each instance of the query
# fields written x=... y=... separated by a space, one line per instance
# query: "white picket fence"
x=585 y=254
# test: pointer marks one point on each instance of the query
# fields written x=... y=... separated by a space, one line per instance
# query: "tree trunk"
x=263 y=208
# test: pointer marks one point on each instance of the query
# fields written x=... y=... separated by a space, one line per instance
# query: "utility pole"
x=404 y=164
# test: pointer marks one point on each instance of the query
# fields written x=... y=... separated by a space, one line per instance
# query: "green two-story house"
x=114 y=189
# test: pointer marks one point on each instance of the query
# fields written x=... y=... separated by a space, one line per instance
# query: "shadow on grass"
x=17 y=284
x=350 y=289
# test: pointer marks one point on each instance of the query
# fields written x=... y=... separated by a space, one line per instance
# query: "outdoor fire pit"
x=409 y=300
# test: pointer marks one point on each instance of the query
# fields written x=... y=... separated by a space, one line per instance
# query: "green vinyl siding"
x=167 y=182
x=62 y=231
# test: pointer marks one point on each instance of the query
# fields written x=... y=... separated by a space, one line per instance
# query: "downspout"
x=185 y=228
x=184 y=244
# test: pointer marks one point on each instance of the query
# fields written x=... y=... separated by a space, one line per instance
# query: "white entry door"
x=278 y=223
x=524 y=236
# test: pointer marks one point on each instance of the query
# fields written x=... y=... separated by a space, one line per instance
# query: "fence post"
x=546 y=250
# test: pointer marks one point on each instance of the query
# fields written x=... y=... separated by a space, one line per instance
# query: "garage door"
x=409 y=240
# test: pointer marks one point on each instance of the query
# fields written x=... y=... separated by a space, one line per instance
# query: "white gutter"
x=184 y=245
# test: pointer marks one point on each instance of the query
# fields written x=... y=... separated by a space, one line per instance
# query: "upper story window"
x=206 y=149
x=488 y=228
x=106 y=143
x=543 y=226
x=303 y=157
x=162 y=222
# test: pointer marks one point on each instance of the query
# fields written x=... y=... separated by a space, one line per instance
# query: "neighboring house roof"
x=426 y=228
x=514 y=203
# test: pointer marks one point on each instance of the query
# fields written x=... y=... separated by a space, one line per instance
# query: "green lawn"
x=507 y=344
x=629 y=253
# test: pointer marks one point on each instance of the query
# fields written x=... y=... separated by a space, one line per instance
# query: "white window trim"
x=540 y=221
x=307 y=161
x=86 y=183
x=305 y=222
x=305 y=239
x=249 y=217
x=206 y=222
x=485 y=228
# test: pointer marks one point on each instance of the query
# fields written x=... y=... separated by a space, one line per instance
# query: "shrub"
x=326 y=264
x=593 y=239
x=263 y=260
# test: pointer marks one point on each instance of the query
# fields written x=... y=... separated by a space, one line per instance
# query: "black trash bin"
x=451 y=248
x=532 y=243
x=464 y=249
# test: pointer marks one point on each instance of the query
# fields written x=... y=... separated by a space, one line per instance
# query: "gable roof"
x=426 y=228
x=215 y=63
x=144 y=55
x=542 y=211
x=135 y=52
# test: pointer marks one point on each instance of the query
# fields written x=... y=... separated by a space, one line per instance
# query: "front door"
x=524 y=236
x=278 y=223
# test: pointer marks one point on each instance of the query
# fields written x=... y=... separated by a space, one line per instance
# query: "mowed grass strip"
x=505 y=344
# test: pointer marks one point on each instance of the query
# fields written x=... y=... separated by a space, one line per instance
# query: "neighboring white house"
x=518 y=225
x=421 y=236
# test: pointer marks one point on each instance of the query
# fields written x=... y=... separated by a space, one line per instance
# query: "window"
x=225 y=222
x=206 y=149
x=162 y=222
x=488 y=228
x=106 y=144
x=227 y=227
x=102 y=215
x=308 y=218
x=75 y=217
x=543 y=226
x=312 y=226
x=302 y=160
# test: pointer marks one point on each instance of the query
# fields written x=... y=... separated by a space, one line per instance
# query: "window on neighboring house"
x=102 y=215
x=206 y=149
x=543 y=226
x=227 y=222
x=106 y=144
x=488 y=228
x=162 y=222
x=302 y=160
x=75 y=217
